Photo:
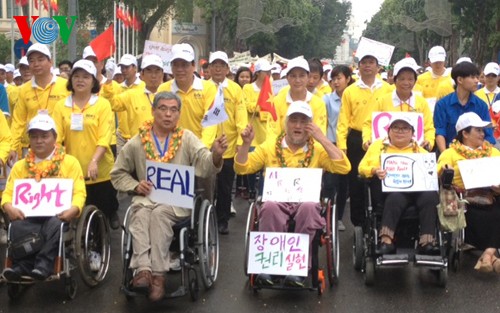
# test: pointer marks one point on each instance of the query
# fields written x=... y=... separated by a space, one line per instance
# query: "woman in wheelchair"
x=45 y=159
x=302 y=145
x=399 y=140
x=483 y=220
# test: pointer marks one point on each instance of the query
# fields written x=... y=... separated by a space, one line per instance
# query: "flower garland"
x=151 y=153
x=52 y=170
x=468 y=153
x=281 y=158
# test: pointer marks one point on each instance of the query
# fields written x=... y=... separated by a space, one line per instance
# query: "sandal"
x=485 y=265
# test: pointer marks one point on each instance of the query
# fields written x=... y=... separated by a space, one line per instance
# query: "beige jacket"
x=130 y=166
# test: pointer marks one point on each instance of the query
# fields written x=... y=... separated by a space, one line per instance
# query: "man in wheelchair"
x=151 y=222
x=303 y=144
x=35 y=240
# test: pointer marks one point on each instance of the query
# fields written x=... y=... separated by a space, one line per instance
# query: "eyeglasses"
x=404 y=129
x=164 y=109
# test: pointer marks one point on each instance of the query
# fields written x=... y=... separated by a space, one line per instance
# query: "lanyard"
x=47 y=103
x=158 y=146
x=488 y=97
x=147 y=95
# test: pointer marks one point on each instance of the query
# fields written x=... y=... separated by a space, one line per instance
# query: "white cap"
x=495 y=107
x=38 y=47
x=490 y=68
x=88 y=52
x=297 y=63
x=464 y=59
x=437 y=54
x=24 y=61
x=86 y=65
x=9 y=68
x=55 y=71
x=43 y=122
x=383 y=75
x=152 y=60
x=470 y=119
x=117 y=71
x=327 y=67
x=362 y=56
x=2 y=67
x=218 y=55
x=17 y=74
x=183 y=51
x=405 y=63
x=402 y=118
x=300 y=107
x=127 y=60
x=275 y=69
x=262 y=65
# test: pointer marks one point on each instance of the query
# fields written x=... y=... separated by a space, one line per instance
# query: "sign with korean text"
x=482 y=172
x=163 y=50
x=278 y=253
x=48 y=197
x=381 y=121
x=408 y=172
x=383 y=52
x=292 y=184
x=278 y=85
x=173 y=184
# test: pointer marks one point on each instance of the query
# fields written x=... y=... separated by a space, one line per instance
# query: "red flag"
x=119 y=13
x=104 y=44
x=136 y=23
x=22 y=2
x=54 y=5
x=266 y=98
x=35 y=2
x=45 y=5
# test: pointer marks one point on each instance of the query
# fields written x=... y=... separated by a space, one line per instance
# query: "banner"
x=163 y=50
x=48 y=197
x=173 y=184
x=278 y=85
x=278 y=253
x=292 y=184
x=408 y=172
x=482 y=172
x=383 y=52
x=381 y=120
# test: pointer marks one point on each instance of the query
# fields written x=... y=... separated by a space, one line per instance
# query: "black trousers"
x=357 y=189
x=225 y=180
x=335 y=187
x=103 y=196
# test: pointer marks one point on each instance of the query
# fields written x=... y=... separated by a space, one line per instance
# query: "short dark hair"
x=316 y=66
x=68 y=62
x=167 y=95
x=406 y=69
x=344 y=70
x=96 y=86
x=460 y=135
x=464 y=69
x=241 y=70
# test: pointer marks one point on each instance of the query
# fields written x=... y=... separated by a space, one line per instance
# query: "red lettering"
x=24 y=28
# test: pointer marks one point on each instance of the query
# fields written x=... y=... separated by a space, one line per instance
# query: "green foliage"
x=5 y=50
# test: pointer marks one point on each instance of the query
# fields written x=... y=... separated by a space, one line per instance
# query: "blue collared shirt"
x=448 y=109
x=333 y=103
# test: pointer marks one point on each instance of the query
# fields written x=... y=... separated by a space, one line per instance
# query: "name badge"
x=76 y=121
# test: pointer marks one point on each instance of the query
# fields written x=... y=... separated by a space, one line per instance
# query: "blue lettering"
x=160 y=177
x=150 y=172
x=177 y=180
x=188 y=185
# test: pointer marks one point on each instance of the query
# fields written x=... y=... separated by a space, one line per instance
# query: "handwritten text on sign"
x=482 y=172
x=381 y=120
x=48 y=197
x=409 y=172
x=278 y=253
x=292 y=184
x=173 y=184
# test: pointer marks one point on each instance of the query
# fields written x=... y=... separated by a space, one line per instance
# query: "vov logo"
x=45 y=30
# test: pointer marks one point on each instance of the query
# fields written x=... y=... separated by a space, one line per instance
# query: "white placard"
x=163 y=50
x=278 y=85
x=292 y=184
x=381 y=120
x=278 y=253
x=48 y=197
x=173 y=184
x=408 y=172
x=482 y=172
x=383 y=52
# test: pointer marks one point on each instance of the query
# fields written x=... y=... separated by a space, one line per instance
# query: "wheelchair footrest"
x=393 y=260
x=430 y=260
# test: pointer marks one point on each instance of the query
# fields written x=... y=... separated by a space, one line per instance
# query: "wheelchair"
x=367 y=258
x=327 y=237
x=197 y=240
x=79 y=241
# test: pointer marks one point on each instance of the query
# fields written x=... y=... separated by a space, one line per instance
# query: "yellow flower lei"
x=52 y=170
x=151 y=153
x=281 y=158
x=468 y=153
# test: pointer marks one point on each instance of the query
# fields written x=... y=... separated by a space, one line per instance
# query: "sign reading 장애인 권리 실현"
x=408 y=172
x=48 y=197
x=173 y=184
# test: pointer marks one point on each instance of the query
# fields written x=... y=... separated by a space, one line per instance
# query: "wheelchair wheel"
x=194 y=288
x=369 y=273
x=357 y=248
x=208 y=244
x=14 y=291
x=71 y=287
x=126 y=255
x=442 y=276
x=332 y=243
x=251 y=223
x=93 y=244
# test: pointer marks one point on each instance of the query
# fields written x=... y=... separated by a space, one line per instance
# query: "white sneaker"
x=233 y=210
x=340 y=226
x=95 y=261
x=175 y=264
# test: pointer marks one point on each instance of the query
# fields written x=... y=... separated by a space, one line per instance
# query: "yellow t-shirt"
x=5 y=138
x=13 y=95
x=429 y=83
x=137 y=105
x=444 y=88
x=97 y=127
x=487 y=96
x=31 y=100
x=324 y=89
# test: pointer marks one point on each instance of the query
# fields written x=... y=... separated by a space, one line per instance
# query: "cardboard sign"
x=482 y=172
x=409 y=172
x=292 y=184
x=173 y=184
x=163 y=50
x=383 y=52
x=381 y=120
x=278 y=85
x=278 y=253
x=48 y=197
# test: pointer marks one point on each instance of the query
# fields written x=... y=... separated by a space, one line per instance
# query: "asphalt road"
x=406 y=289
